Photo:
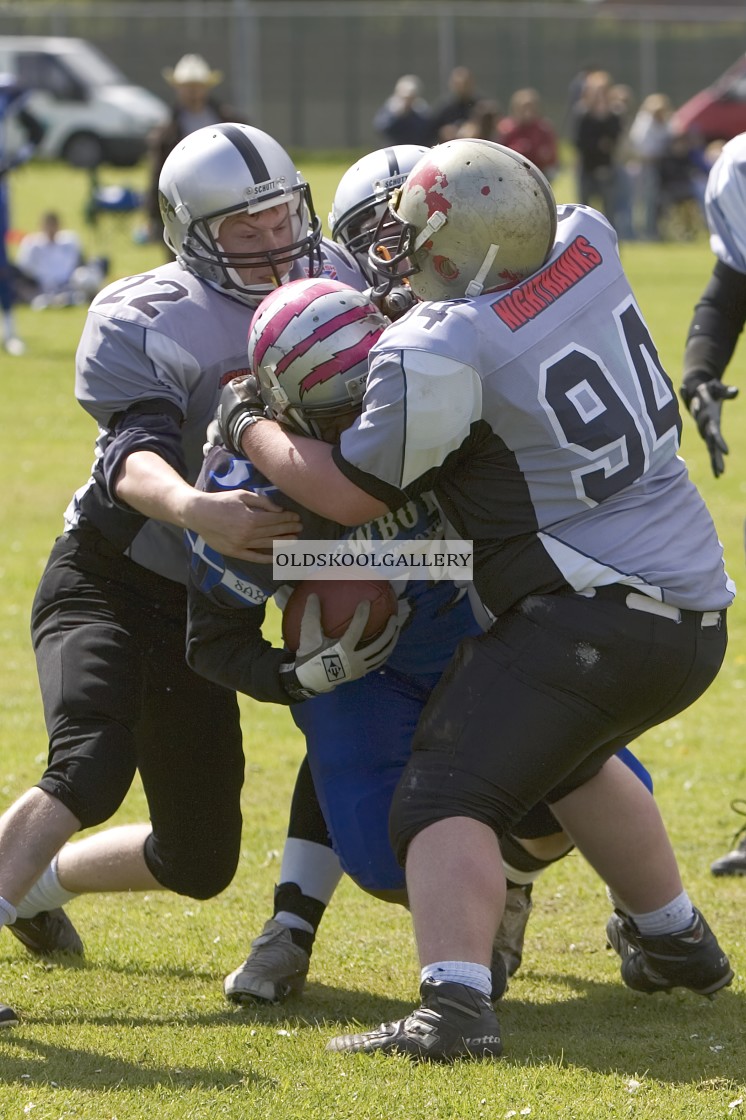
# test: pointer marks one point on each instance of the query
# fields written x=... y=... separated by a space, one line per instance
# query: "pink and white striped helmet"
x=308 y=347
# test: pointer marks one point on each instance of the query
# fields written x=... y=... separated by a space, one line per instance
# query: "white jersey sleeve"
x=725 y=204
x=436 y=398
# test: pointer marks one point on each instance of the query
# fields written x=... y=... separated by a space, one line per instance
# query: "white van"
x=92 y=113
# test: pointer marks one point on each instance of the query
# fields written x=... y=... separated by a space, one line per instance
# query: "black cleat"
x=8 y=1017
x=454 y=1021
x=734 y=861
x=499 y=974
x=47 y=933
x=689 y=959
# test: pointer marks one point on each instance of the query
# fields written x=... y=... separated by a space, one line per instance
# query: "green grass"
x=141 y=1028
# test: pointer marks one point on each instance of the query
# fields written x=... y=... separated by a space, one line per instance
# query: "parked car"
x=718 y=112
x=93 y=114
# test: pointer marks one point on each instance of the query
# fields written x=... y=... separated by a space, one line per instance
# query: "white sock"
x=460 y=972
x=676 y=915
x=314 y=867
x=9 y=323
x=293 y=921
x=7 y=912
x=521 y=878
x=46 y=894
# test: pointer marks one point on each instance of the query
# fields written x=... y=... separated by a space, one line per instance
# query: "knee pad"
x=433 y=788
x=199 y=869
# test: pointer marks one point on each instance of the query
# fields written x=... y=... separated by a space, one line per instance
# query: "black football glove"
x=705 y=404
x=239 y=406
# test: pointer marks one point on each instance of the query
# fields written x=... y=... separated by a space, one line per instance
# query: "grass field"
x=141 y=1028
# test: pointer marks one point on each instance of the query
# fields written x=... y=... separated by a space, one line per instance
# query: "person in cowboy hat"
x=195 y=106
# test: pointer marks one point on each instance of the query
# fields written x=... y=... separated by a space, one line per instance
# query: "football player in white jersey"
x=526 y=392
x=304 y=330
x=716 y=326
x=109 y=616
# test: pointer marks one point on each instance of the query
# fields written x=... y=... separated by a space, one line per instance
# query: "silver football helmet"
x=472 y=216
x=364 y=190
x=227 y=169
x=308 y=347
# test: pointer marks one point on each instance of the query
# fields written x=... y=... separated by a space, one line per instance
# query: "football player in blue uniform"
x=12 y=106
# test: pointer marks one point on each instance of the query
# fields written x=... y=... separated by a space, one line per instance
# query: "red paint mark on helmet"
x=432 y=181
x=445 y=267
x=486 y=190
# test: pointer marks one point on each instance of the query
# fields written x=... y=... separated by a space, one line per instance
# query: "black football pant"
x=109 y=638
x=531 y=710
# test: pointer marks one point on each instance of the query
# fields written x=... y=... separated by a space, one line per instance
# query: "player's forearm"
x=715 y=328
x=148 y=484
x=226 y=646
x=304 y=469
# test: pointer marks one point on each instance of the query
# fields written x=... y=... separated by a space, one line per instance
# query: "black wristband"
x=291 y=684
x=237 y=425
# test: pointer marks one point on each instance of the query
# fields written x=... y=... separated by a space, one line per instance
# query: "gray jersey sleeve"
x=119 y=363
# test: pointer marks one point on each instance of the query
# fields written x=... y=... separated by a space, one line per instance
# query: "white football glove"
x=321 y=662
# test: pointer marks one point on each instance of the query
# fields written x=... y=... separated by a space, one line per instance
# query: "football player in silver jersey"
x=525 y=390
x=716 y=326
x=109 y=616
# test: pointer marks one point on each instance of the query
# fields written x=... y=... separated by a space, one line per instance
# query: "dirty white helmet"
x=227 y=169
x=308 y=347
x=472 y=216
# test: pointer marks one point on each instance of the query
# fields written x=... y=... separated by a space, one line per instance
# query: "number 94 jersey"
x=545 y=424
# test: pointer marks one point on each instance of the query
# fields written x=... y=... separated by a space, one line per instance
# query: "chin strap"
x=475 y=286
x=435 y=222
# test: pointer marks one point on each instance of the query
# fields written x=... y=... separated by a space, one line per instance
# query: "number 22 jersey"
x=155 y=352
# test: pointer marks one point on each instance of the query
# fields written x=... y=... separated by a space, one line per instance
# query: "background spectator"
x=193 y=82
x=596 y=133
x=526 y=131
x=450 y=114
x=405 y=117
x=649 y=141
x=52 y=261
x=483 y=121
x=622 y=101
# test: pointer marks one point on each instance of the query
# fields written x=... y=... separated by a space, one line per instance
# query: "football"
x=338 y=599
